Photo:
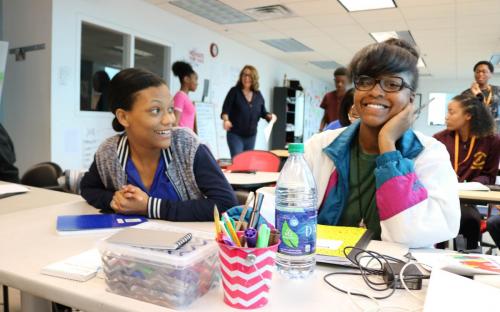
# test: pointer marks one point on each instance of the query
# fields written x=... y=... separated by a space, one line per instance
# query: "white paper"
x=81 y=267
x=451 y=292
x=12 y=189
x=269 y=128
x=472 y=186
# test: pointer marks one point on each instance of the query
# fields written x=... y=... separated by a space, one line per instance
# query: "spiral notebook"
x=155 y=239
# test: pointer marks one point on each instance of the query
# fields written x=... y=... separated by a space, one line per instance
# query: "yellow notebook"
x=331 y=241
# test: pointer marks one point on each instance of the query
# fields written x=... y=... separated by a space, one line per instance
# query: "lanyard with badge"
x=455 y=160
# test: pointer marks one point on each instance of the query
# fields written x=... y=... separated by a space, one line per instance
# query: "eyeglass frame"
x=378 y=81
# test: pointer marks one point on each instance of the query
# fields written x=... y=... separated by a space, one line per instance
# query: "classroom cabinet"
x=288 y=105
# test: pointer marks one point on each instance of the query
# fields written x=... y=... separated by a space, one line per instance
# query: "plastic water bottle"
x=296 y=216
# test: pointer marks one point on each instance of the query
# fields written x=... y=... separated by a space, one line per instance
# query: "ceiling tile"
x=417 y=3
x=288 y=23
x=377 y=16
x=248 y=27
x=475 y=8
x=307 y=8
x=426 y=12
x=431 y=23
x=331 y=20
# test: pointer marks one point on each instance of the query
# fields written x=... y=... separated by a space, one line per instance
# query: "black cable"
x=365 y=271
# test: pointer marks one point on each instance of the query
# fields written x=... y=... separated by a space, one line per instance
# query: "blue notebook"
x=73 y=224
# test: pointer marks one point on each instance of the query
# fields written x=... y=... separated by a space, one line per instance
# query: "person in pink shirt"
x=185 y=112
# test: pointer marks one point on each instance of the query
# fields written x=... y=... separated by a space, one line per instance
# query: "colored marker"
x=263 y=236
x=251 y=237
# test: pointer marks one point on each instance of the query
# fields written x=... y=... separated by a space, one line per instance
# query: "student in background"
x=8 y=172
x=347 y=112
x=331 y=101
x=185 y=111
x=378 y=173
x=243 y=107
x=151 y=168
x=100 y=84
x=486 y=93
x=474 y=150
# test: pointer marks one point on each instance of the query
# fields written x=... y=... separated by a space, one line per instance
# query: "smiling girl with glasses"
x=378 y=173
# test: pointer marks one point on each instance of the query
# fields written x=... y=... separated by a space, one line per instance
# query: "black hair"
x=341 y=71
x=389 y=57
x=124 y=86
x=490 y=66
x=482 y=123
x=100 y=80
x=182 y=69
x=345 y=107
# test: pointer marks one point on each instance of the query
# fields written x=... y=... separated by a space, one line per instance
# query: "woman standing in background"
x=185 y=112
x=243 y=107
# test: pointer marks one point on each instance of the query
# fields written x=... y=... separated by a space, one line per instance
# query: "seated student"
x=474 y=150
x=378 y=173
x=8 y=172
x=493 y=227
x=347 y=112
x=151 y=168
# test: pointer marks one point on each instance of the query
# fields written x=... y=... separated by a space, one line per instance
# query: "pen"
x=230 y=229
x=254 y=218
x=263 y=236
x=250 y=197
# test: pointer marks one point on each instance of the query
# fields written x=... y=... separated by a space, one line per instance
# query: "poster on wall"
x=4 y=50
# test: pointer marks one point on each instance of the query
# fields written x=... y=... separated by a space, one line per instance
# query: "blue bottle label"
x=298 y=232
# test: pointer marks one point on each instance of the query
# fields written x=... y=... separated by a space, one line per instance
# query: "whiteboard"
x=205 y=123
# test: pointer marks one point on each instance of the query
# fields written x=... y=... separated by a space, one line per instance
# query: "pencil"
x=218 y=228
x=230 y=229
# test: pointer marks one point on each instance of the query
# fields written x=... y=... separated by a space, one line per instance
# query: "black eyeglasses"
x=388 y=84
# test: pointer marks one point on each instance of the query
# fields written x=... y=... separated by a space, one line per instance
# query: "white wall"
x=454 y=86
x=26 y=98
x=75 y=134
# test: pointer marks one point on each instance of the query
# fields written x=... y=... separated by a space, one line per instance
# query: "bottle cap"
x=296 y=148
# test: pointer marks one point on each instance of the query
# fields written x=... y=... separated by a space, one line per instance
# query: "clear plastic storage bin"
x=173 y=279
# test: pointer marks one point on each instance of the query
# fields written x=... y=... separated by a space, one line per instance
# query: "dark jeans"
x=470 y=225
x=493 y=226
x=238 y=144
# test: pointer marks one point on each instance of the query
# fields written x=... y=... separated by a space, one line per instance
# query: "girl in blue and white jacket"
x=378 y=173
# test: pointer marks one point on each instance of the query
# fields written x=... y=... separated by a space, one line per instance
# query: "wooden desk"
x=33 y=243
x=282 y=153
x=251 y=180
x=480 y=197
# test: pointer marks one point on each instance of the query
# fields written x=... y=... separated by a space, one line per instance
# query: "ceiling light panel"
x=213 y=10
x=326 y=64
x=495 y=59
x=364 y=5
x=287 y=45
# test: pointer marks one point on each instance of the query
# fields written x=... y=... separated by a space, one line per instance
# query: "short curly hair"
x=482 y=123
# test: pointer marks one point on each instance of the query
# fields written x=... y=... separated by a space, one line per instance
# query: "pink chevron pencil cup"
x=246 y=275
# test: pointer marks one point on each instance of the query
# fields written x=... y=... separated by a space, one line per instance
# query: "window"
x=102 y=56
x=437 y=108
x=104 y=52
x=152 y=56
